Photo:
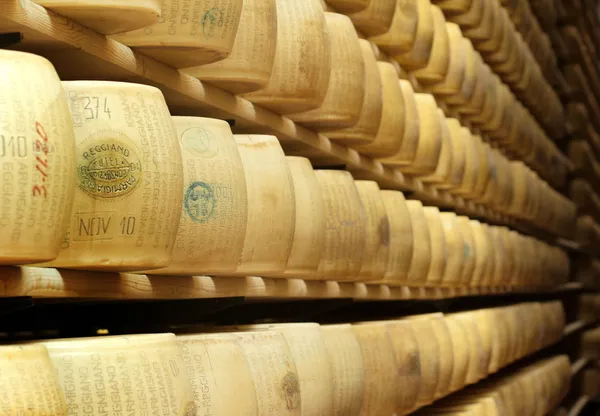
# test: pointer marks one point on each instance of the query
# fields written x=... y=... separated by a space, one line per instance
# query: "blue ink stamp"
x=200 y=202
x=209 y=20
x=467 y=250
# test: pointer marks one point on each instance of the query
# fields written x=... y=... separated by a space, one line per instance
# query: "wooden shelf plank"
x=579 y=406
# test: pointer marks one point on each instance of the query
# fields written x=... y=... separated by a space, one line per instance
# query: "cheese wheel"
x=480 y=356
x=485 y=29
x=467 y=88
x=455 y=245
x=188 y=35
x=483 y=253
x=219 y=374
x=403 y=29
x=444 y=340
x=400 y=237
x=429 y=356
x=303 y=64
x=469 y=252
x=376 y=18
x=439 y=59
x=345 y=93
x=376 y=248
x=406 y=348
x=452 y=81
x=214 y=203
x=421 y=258
x=389 y=135
x=471 y=166
x=248 y=68
x=455 y=7
x=274 y=372
x=430 y=137
x=107 y=17
x=365 y=129
x=271 y=206
x=410 y=139
x=469 y=17
x=488 y=275
x=439 y=249
x=419 y=54
x=312 y=363
x=347 y=369
x=461 y=353
x=129 y=178
x=441 y=176
x=348 y=6
x=29 y=385
x=309 y=230
x=346 y=229
x=37 y=156
x=380 y=369
x=459 y=155
x=123 y=372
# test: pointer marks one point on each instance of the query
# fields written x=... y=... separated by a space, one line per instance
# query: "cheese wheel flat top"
x=345 y=234
x=248 y=68
x=348 y=6
x=347 y=369
x=401 y=237
x=470 y=17
x=38 y=184
x=403 y=30
x=471 y=170
x=439 y=59
x=365 y=129
x=271 y=206
x=302 y=65
x=346 y=89
x=215 y=201
x=219 y=374
x=389 y=136
x=29 y=385
x=309 y=234
x=410 y=139
x=376 y=18
x=199 y=34
x=107 y=17
x=117 y=212
x=420 y=52
x=454 y=6
x=376 y=248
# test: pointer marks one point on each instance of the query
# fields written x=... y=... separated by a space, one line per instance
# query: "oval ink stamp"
x=210 y=20
x=200 y=142
x=108 y=169
x=200 y=202
x=291 y=391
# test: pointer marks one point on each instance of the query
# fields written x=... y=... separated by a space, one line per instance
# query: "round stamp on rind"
x=108 y=168
x=200 y=142
x=200 y=202
x=210 y=20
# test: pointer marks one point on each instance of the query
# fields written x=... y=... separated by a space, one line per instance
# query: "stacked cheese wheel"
x=534 y=389
x=367 y=368
x=589 y=306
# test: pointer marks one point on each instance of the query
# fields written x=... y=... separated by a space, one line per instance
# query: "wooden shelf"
x=579 y=406
x=55 y=283
x=579 y=365
x=80 y=53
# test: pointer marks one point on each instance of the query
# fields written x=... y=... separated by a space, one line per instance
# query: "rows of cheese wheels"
x=291 y=57
x=526 y=18
x=367 y=368
x=121 y=185
x=493 y=33
x=535 y=389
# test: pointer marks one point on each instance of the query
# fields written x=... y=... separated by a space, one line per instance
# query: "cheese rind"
x=129 y=178
x=37 y=159
x=107 y=16
x=188 y=34
x=249 y=66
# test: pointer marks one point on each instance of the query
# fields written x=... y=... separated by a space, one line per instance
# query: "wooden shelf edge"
x=579 y=406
